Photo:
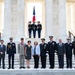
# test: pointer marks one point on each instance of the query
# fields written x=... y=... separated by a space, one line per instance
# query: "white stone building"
x=58 y=18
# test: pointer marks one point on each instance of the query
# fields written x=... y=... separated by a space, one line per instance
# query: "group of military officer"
x=33 y=27
x=51 y=47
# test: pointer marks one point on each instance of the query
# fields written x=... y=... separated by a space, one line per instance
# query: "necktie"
x=60 y=44
x=1 y=46
x=50 y=41
x=21 y=43
x=34 y=50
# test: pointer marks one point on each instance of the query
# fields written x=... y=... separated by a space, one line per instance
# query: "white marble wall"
x=56 y=19
x=62 y=20
x=7 y=20
x=68 y=17
x=21 y=20
x=14 y=18
x=74 y=18
x=49 y=18
x=0 y=17
x=70 y=20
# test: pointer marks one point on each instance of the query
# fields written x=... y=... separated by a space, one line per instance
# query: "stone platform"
x=38 y=72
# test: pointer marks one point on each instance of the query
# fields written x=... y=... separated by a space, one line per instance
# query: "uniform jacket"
x=39 y=27
x=73 y=44
x=51 y=47
x=69 y=48
x=34 y=27
x=43 y=49
x=11 y=48
x=30 y=27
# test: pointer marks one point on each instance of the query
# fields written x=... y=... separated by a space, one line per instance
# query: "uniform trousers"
x=11 y=60
x=69 y=61
x=51 y=60
x=43 y=61
x=2 y=59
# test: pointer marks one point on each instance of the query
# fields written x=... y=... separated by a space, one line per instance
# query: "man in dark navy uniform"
x=30 y=29
x=43 y=50
x=11 y=50
x=34 y=27
x=68 y=47
x=39 y=28
x=2 y=54
x=51 y=50
x=73 y=44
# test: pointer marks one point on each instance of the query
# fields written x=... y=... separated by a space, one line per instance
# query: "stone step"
x=17 y=56
x=17 y=62
x=32 y=59
x=32 y=63
x=56 y=61
x=32 y=66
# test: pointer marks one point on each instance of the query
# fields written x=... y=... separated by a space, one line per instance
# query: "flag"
x=34 y=17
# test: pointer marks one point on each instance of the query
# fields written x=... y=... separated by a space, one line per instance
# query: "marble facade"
x=14 y=19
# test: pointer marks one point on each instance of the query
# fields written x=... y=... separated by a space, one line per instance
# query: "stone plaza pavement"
x=38 y=72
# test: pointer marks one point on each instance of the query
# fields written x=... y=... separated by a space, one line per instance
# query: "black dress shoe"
x=12 y=68
x=60 y=67
x=8 y=68
x=44 y=68
x=23 y=67
x=51 y=67
x=36 y=68
x=20 y=67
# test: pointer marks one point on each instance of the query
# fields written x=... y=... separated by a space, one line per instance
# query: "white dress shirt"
x=37 y=50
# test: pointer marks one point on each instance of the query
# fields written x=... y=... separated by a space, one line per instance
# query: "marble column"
x=68 y=17
x=14 y=18
x=62 y=20
x=7 y=20
x=49 y=18
x=55 y=19
x=1 y=17
x=21 y=19
x=43 y=20
x=74 y=18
